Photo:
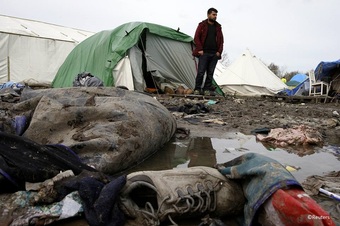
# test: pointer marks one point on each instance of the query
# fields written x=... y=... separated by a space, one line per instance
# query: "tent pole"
x=8 y=70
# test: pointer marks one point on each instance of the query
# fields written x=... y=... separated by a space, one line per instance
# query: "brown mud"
x=248 y=114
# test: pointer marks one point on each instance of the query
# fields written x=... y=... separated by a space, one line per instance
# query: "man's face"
x=212 y=16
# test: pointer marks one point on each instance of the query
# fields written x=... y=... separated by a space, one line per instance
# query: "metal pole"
x=8 y=70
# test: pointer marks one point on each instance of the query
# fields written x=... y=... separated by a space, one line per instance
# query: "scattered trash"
x=193 y=108
x=292 y=168
x=216 y=121
x=208 y=221
x=264 y=130
x=180 y=144
x=297 y=135
x=87 y=79
x=240 y=149
x=211 y=102
x=330 y=194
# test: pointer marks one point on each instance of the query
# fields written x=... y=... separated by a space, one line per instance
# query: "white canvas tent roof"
x=34 y=50
x=248 y=76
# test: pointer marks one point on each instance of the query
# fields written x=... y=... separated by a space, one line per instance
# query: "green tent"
x=135 y=55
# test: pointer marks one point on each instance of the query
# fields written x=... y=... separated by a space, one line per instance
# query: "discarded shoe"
x=206 y=93
x=153 y=197
x=197 y=92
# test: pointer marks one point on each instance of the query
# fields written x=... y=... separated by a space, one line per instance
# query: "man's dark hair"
x=212 y=10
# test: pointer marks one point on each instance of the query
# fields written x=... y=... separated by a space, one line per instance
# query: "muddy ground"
x=216 y=116
x=213 y=117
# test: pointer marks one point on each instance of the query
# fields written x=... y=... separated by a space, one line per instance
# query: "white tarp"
x=122 y=74
x=34 y=50
x=248 y=76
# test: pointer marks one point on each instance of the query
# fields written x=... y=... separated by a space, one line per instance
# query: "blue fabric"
x=325 y=70
x=6 y=85
x=11 y=85
x=22 y=160
x=292 y=92
x=298 y=87
x=100 y=198
x=260 y=177
x=299 y=78
x=20 y=124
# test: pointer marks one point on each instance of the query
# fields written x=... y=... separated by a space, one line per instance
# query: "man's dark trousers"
x=207 y=63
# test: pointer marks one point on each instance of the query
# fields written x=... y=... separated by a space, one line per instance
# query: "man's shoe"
x=153 y=197
x=206 y=93
x=197 y=92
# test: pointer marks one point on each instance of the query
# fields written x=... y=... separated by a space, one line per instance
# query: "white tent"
x=33 y=50
x=248 y=76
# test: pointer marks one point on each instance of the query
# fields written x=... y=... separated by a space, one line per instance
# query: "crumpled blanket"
x=109 y=128
x=297 y=135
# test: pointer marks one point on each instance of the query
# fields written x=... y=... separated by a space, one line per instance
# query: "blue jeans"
x=206 y=64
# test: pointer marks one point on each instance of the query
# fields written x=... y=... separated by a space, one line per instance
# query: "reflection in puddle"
x=204 y=151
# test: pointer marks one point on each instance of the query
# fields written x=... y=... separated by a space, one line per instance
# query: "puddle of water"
x=204 y=151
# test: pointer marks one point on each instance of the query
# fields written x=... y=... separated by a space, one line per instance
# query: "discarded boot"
x=197 y=92
x=207 y=93
x=152 y=197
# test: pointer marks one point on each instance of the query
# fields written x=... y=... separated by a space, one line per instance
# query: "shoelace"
x=204 y=199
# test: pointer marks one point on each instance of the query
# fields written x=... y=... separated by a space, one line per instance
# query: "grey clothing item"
x=86 y=79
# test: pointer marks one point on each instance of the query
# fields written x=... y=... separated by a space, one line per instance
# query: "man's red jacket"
x=201 y=34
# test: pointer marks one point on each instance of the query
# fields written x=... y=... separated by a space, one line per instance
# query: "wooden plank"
x=192 y=96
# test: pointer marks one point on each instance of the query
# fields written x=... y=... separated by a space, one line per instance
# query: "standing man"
x=209 y=46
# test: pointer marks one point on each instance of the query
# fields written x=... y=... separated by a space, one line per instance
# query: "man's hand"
x=218 y=54
x=200 y=53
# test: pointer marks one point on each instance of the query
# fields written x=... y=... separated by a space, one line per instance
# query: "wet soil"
x=214 y=117
x=248 y=114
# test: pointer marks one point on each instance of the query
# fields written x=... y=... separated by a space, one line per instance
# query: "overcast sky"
x=294 y=34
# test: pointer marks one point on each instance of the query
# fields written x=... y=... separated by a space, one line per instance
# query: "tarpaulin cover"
x=325 y=70
x=100 y=53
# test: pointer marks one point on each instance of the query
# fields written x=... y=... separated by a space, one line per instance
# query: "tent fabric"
x=296 y=79
x=292 y=83
x=301 y=89
x=248 y=76
x=34 y=50
x=325 y=70
x=329 y=72
x=167 y=52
